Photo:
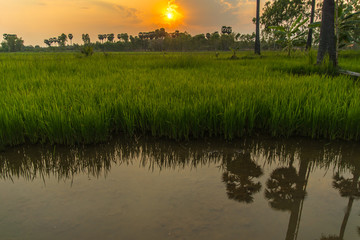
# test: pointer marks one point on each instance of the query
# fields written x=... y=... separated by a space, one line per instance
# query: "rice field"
x=64 y=98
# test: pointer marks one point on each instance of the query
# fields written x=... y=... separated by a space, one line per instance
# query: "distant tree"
x=257 y=39
x=119 y=36
x=312 y=15
x=132 y=39
x=124 y=37
x=208 y=36
x=47 y=42
x=215 y=40
x=177 y=33
x=226 y=30
x=53 y=40
x=110 y=37
x=101 y=37
x=70 y=36
x=162 y=33
x=13 y=43
x=10 y=41
x=86 y=39
x=62 y=39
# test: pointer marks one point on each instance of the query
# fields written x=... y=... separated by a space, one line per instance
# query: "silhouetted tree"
x=101 y=37
x=12 y=42
x=62 y=39
x=86 y=38
x=312 y=15
x=257 y=39
x=47 y=42
x=110 y=37
x=70 y=36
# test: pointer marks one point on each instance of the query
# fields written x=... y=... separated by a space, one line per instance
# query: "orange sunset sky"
x=36 y=20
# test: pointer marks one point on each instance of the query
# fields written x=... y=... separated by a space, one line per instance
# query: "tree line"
x=284 y=24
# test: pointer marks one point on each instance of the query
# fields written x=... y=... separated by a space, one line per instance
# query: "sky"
x=36 y=20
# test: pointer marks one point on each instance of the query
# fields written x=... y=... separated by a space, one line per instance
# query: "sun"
x=170 y=16
x=171 y=13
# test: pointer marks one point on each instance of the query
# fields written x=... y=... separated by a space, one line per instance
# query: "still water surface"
x=157 y=189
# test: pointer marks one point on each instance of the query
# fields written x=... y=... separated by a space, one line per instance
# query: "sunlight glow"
x=171 y=12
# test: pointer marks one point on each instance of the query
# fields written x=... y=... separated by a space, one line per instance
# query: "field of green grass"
x=65 y=98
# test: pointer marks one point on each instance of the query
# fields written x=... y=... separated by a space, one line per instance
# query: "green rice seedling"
x=62 y=99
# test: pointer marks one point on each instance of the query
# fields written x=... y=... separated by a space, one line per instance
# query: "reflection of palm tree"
x=286 y=191
x=347 y=188
x=239 y=178
x=281 y=188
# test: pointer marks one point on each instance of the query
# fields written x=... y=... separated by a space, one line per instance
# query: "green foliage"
x=86 y=39
x=59 y=98
x=347 y=23
x=283 y=12
x=87 y=50
x=12 y=43
x=62 y=40
x=292 y=34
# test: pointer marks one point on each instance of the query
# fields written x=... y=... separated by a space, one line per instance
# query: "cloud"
x=130 y=15
x=235 y=4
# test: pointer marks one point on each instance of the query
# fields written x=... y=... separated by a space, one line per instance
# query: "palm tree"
x=162 y=33
x=101 y=37
x=47 y=42
x=70 y=36
x=125 y=37
x=86 y=38
x=239 y=178
x=327 y=33
x=257 y=39
x=110 y=37
x=309 y=40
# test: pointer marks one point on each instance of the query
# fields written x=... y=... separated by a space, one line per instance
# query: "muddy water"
x=156 y=189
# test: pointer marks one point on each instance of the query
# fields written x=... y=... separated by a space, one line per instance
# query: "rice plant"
x=61 y=98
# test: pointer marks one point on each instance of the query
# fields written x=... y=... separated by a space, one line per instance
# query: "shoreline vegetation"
x=65 y=98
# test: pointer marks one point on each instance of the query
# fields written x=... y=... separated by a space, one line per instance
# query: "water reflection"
x=278 y=170
x=240 y=177
x=348 y=188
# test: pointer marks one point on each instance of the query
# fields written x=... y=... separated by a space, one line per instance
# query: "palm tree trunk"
x=348 y=209
x=257 y=40
x=296 y=209
x=309 y=40
x=346 y=218
x=337 y=34
x=327 y=33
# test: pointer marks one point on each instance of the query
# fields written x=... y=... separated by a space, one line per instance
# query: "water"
x=156 y=189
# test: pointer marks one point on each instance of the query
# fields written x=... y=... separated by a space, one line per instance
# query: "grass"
x=68 y=99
